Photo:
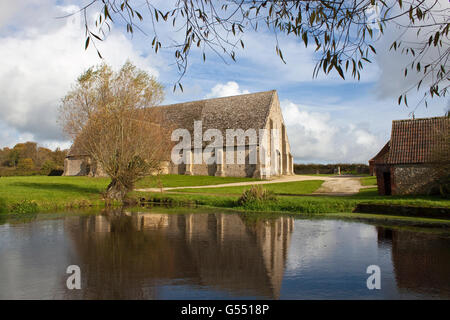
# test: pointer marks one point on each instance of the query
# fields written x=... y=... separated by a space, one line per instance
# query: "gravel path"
x=333 y=185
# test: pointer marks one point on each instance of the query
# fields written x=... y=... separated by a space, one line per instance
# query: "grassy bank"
x=42 y=193
x=293 y=204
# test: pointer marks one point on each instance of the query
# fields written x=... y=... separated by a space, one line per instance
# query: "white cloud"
x=392 y=81
x=230 y=88
x=316 y=137
x=38 y=66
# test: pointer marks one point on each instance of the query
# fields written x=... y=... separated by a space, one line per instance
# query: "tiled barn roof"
x=244 y=111
x=414 y=141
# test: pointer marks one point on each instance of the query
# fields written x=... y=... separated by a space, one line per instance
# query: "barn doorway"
x=387 y=183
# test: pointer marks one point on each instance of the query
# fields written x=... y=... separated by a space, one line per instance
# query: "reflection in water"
x=421 y=263
x=160 y=255
x=134 y=252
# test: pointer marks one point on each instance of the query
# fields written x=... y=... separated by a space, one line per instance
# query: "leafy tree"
x=13 y=158
x=343 y=32
x=107 y=114
x=48 y=166
x=25 y=164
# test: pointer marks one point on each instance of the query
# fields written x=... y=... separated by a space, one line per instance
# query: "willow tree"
x=343 y=32
x=109 y=115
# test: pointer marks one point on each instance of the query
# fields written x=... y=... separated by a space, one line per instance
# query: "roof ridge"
x=218 y=98
x=421 y=119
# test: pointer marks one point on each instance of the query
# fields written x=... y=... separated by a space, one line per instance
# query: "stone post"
x=220 y=163
x=189 y=160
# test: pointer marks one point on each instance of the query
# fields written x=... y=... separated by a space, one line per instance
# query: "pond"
x=163 y=253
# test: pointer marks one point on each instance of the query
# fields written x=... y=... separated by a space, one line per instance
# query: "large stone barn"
x=410 y=162
x=236 y=116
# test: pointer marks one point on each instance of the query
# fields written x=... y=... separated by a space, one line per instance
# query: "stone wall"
x=229 y=170
x=412 y=179
x=283 y=163
x=76 y=166
x=82 y=166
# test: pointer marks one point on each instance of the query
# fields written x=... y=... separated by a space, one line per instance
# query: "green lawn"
x=369 y=181
x=175 y=180
x=61 y=192
x=297 y=187
x=52 y=192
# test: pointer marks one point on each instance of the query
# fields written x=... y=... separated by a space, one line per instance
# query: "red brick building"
x=405 y=164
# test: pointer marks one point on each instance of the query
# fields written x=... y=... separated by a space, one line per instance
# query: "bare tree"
x=109 y=116
x=342 y=31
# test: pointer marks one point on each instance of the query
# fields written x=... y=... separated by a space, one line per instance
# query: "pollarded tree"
x=342 y=31
x=110 y=117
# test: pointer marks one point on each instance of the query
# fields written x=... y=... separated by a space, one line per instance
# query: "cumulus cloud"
x=230 y=88
x=40 y=64
x=315 y=137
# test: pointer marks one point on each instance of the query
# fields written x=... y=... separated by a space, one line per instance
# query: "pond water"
x=163 y=254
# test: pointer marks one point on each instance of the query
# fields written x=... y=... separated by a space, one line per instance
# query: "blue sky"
x=328 y=119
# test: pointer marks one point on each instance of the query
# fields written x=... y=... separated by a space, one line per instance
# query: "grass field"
x=73 y=192
x=297 y=187
x=175 y=180
x=369 y=181
x=50 y=193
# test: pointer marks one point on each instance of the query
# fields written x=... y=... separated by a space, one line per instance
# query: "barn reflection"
x=126 y=255
x=421 y=261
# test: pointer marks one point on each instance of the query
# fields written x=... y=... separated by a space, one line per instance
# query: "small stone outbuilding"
x=407 y=163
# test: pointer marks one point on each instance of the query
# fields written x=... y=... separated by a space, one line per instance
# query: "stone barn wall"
x=82 y=166
x=230 y=170
x=76 y=166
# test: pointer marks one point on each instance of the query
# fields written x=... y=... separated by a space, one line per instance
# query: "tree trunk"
x=116 y=190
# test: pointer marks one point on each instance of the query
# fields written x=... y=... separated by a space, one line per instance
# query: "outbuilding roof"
x=415 y=140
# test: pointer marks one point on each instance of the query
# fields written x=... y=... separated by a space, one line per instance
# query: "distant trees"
x=346 y=168
x=108 y=115
x=28 y=158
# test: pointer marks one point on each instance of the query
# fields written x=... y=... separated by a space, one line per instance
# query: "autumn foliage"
x=110 y=117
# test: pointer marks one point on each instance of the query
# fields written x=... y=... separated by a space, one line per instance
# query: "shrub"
x=47 y=167
x=256 y=195
x=24 y=206
x=10 y=172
